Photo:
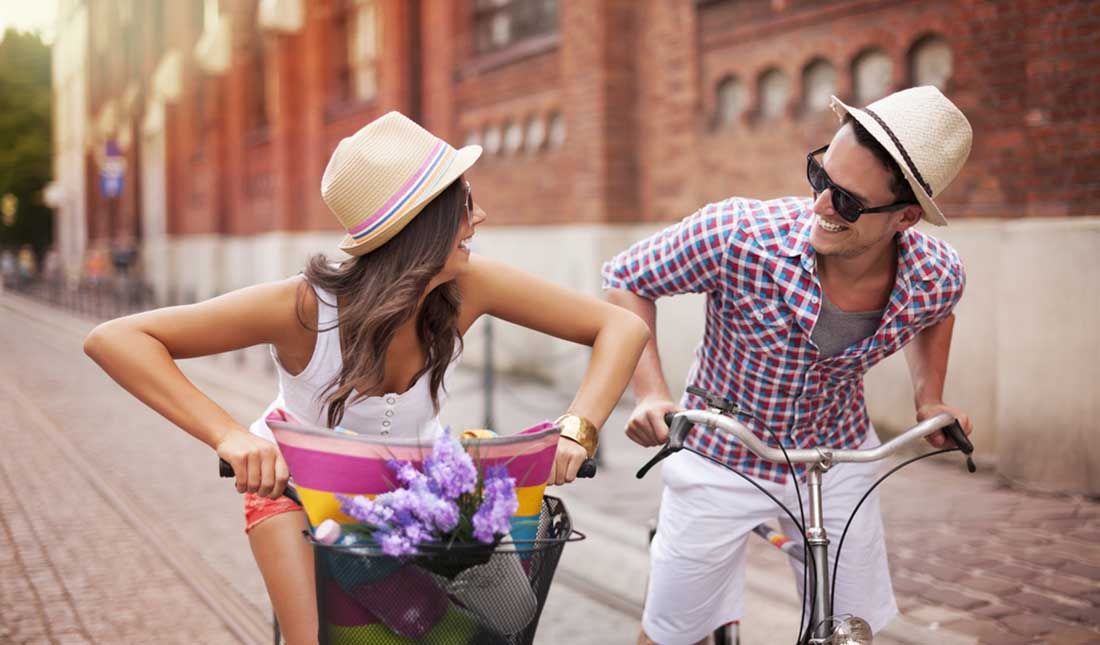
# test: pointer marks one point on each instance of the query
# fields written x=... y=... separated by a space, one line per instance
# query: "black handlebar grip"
x=587 y=469
x=669 y=416
x=955 y=433
x=225 y=470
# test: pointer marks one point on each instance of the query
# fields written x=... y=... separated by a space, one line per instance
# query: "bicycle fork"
x=818 y=541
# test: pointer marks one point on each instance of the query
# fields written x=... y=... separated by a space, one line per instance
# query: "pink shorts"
x=258 y=509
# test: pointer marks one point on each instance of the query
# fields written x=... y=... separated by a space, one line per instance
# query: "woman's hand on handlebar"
x=939 y=439
x=256 y=462
x=567 y=462
x=647 y=426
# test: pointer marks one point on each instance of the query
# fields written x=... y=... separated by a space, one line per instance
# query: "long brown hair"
x=379 y=291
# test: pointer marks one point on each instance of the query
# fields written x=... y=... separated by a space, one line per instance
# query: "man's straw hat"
x=379 y=178
x=926 y=135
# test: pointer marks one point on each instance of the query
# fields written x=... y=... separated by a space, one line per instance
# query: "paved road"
x=118 y=528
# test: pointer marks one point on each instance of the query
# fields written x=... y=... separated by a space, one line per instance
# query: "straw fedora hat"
x=926 y=135
x=379 y=178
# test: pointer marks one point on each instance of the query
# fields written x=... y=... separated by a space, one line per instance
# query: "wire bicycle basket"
x=446 y=594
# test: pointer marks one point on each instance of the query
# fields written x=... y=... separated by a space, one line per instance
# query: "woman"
x=365 y=343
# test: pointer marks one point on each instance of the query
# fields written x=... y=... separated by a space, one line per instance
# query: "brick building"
x=601 y=120
x=591 y=112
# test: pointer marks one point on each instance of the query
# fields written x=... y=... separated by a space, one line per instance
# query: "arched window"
x=775 y=89
x=818 y=84
x=872 y=76
x=491 y=139
x=536 y=133
x=931 y=62
x=731 y=99
x=513 y=136
x=502 y=23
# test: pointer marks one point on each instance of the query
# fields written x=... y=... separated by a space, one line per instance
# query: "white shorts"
x=697 y=559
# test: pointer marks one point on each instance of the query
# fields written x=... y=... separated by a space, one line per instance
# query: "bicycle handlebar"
x=681 y=422
x=586 y=471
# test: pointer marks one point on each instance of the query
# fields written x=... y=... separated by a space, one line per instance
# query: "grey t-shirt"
x=837 y=330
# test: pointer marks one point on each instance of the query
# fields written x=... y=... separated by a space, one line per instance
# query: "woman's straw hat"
x=379 y=178
x=925 y=133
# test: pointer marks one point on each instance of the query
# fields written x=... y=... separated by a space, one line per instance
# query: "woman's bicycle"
x=823 y=627
x=445 y=594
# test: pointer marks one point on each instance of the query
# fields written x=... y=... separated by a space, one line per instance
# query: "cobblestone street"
x=115 y=529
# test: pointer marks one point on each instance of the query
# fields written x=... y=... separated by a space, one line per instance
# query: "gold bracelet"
x=576 y=428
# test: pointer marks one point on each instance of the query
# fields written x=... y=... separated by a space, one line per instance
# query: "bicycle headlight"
x=851 y=630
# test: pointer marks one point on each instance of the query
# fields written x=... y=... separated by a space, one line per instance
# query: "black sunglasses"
x=844 y=203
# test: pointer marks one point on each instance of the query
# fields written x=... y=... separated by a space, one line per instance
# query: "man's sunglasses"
x=844 y=203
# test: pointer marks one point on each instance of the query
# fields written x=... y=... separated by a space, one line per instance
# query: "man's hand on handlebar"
x=938 y=439
x=647 y=426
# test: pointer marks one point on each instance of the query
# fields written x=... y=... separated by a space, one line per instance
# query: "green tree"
x=26 y=137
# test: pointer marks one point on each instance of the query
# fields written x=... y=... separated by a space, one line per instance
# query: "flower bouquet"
x=449 y=509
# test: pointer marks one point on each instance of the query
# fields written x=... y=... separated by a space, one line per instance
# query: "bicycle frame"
x=819 y=460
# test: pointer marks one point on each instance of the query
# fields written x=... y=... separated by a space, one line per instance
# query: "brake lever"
x=715 y=401
x=677 y=429
x=955 y=433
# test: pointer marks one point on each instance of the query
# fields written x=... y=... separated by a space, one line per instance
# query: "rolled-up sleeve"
x=687 y=257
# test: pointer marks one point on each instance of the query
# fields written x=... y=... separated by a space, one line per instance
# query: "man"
x=803 y=297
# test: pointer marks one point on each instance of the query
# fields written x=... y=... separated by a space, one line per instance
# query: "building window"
x=501 y=23
x=536 y=134
x=872 y=76
x=491 y=139
x=818 y=85
x=355 y=48
x=731 y=99
x=931 y=62
x=775 y=90
x=513 y=137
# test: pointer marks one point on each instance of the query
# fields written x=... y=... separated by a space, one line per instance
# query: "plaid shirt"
x=754 y=261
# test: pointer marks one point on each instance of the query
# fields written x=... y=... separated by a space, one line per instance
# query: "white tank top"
x=409 y=414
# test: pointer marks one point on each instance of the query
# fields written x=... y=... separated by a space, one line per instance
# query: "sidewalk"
x=973 y=562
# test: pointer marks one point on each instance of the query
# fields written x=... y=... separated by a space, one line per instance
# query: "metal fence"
x=101 y=300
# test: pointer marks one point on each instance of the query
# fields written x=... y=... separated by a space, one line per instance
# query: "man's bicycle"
x=823 y=627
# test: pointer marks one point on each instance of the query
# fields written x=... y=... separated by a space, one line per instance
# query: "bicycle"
x=822 y=627
x=487 y=595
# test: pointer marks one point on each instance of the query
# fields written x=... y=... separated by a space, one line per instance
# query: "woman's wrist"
x=580 y=430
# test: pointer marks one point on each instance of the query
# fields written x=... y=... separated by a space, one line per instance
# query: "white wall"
x=1025 y=359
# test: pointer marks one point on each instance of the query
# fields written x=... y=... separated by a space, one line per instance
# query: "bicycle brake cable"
x=848 y=524
x=808 y=555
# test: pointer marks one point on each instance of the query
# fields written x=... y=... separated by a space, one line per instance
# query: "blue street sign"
x=112 y=171
x=110 y=185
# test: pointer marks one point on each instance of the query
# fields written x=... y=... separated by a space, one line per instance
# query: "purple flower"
x=449 y=469
x=395 y=544
x=407 y=474
x=499 y=503
x=432 y=503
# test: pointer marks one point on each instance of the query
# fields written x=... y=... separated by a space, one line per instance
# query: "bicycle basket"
x=446 y=594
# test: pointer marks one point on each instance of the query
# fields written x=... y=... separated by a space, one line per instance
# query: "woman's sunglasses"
x=844 y=203
x=469 y=204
